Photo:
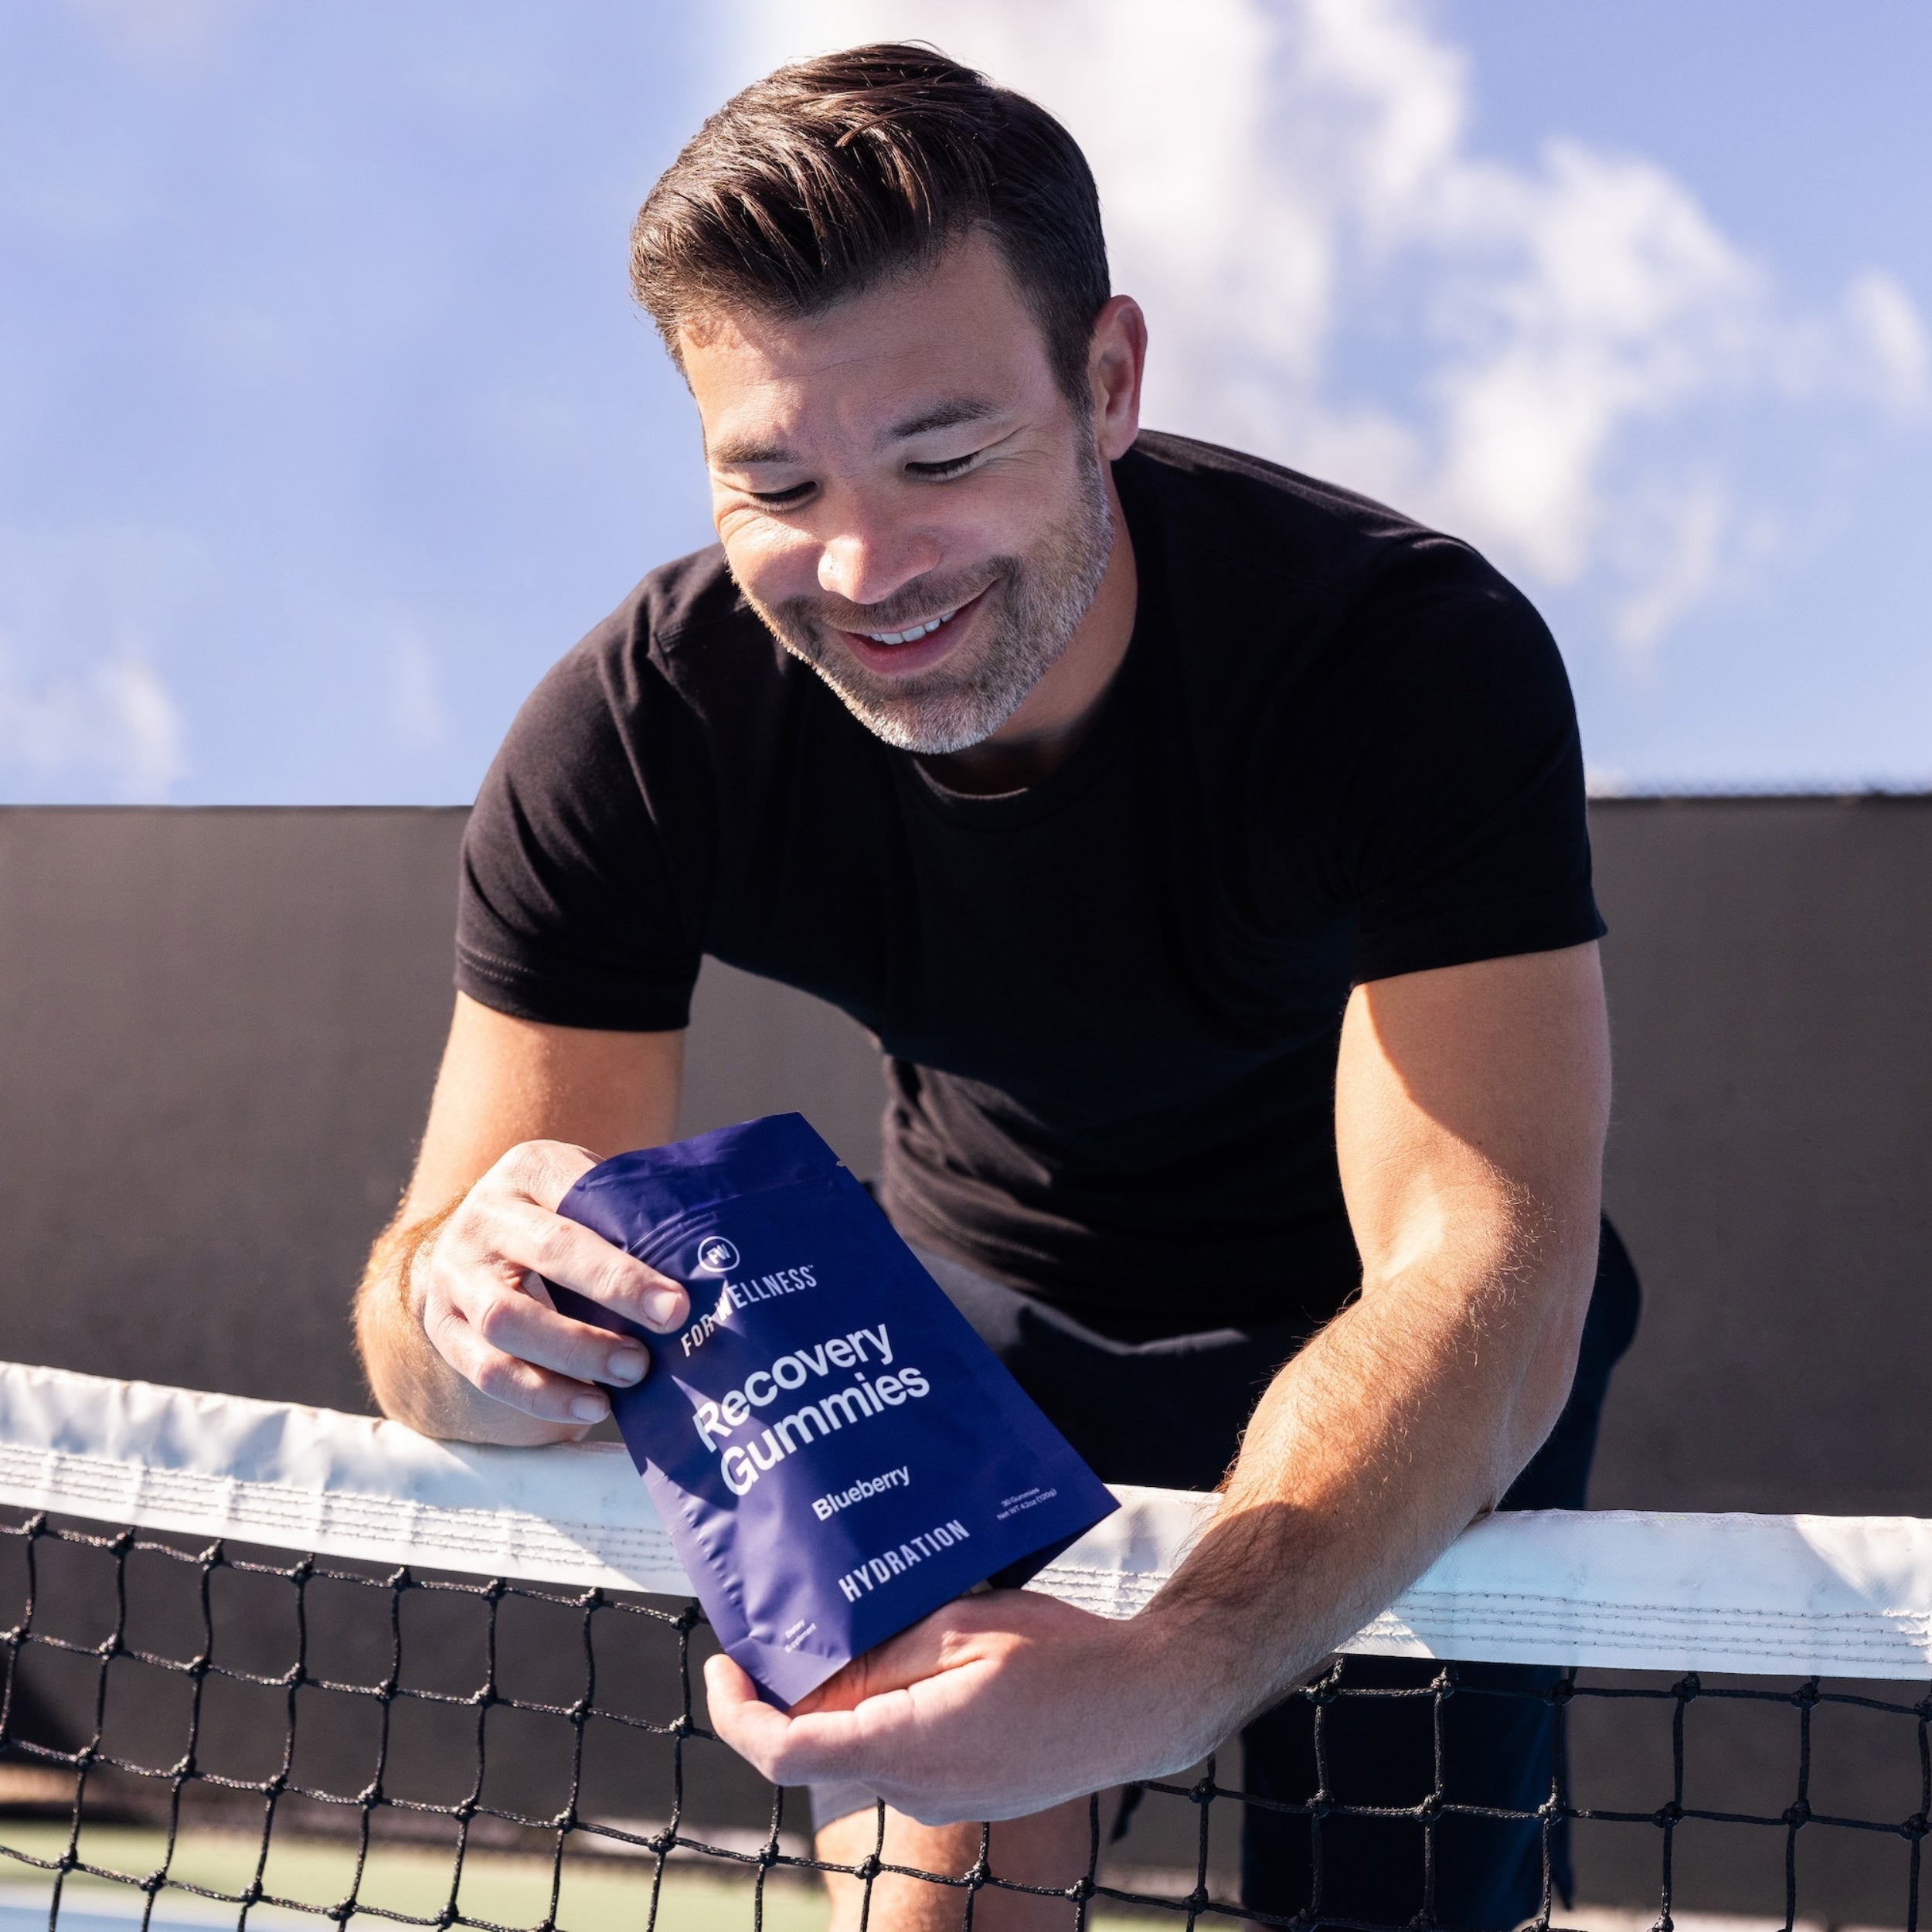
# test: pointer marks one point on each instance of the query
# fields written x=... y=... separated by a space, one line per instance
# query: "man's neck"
x=1058 y=710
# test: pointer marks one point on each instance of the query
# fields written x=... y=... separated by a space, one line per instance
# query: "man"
x=1206 y=847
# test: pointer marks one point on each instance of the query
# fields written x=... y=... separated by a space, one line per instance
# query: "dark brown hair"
x=832 y=174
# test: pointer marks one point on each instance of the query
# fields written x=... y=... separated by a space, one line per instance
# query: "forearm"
x=457 y=1338
x=1471 y=1104
x=1374 y=1447
x=411 y=1382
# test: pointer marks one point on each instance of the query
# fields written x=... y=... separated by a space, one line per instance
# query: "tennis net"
x=266 y=1664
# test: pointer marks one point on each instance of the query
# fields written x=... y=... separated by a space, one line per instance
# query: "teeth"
x=918 y=631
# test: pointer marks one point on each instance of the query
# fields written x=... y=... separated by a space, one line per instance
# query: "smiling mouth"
x=912 y=633
x=907 y=637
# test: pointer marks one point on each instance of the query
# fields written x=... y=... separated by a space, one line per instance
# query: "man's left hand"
x=996 y=1705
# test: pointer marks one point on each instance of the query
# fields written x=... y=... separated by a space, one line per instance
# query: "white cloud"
x=115 y=720
x=81 y=696
x=1883 y=319
x=1683 y=555
x=1578 y=299
x=1335 y=278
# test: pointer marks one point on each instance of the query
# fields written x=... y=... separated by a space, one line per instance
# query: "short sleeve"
x=582 y=892
x=1460 y=833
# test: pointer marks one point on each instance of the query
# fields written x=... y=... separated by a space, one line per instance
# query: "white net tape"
x=1784 y=1595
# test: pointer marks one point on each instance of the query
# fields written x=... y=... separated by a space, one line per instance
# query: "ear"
x=1116 y=363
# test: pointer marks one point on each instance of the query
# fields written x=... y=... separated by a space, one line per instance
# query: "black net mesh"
x=161 y=1697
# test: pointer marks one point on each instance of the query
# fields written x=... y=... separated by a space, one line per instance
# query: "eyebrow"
x=744 y=455
x=944 y=416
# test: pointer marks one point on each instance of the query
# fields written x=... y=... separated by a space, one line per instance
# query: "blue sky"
x=326 y=424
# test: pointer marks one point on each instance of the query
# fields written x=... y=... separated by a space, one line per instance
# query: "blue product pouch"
x=834 y=1450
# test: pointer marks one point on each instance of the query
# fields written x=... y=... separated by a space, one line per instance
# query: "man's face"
x=905 y=496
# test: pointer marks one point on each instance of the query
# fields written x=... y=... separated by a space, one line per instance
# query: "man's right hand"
x=458 y=1334
x=473 y=1284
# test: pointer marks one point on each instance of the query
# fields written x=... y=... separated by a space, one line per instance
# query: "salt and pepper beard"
x=1034 y=603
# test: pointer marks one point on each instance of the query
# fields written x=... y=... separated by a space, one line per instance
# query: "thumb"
x=789 y=1750
x=739 y=1715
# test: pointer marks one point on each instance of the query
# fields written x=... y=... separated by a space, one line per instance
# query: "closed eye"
x=938 y=472
x=782 y=499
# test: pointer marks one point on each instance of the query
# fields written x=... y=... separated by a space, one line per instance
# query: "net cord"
x=1803 y=1595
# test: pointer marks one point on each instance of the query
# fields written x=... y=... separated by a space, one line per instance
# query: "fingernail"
x=663 y=1306
x=589 y=1408
x=627 y=1365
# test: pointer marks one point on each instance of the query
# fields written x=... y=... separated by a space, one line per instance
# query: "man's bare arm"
x=1472 y=1105
x=456 y=1337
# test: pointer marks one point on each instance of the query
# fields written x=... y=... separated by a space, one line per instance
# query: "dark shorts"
x=1169 y=1413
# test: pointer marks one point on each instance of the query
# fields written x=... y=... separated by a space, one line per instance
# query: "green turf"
x=599 y=1894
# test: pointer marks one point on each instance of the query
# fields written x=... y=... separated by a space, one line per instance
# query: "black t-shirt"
x=1340 y=747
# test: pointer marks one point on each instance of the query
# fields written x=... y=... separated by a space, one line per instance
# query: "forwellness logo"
x=741 y=1294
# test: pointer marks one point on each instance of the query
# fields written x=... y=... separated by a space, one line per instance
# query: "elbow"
x=396 y=1393
x=402 y=1371
x=1549 y=1368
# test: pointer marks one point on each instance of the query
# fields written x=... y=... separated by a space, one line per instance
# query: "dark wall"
x=218 y=1030
x=218 y=1034
x=1770 y=964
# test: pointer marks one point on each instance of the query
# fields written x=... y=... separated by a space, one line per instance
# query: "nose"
x=868 y=560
